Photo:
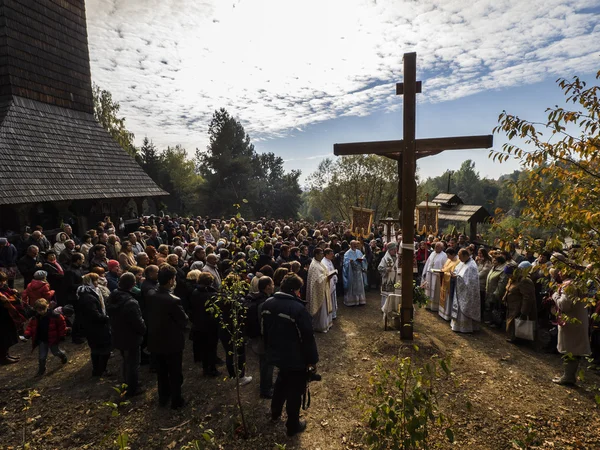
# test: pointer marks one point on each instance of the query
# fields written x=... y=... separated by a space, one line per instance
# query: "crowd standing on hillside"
x=144 y=293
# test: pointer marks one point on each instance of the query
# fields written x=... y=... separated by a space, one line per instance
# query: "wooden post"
x=408 y=162
x=472 y=230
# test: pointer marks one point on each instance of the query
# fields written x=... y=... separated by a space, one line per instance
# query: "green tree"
x=106 y=112
x=150 y=159
x=178 y=176
x=228 y=167
x=559 y=190
x=234 y=171
x=366 y=180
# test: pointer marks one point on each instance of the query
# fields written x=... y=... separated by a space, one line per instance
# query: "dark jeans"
x=289 y=388
x=205 y=348
x=266 y=375
x=55 y=349
x=76 y=328
x=130 y=368
x=99 y=363
x=170 y=377
x=241 y=351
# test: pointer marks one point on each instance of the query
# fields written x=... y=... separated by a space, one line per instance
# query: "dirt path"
x=509 y=388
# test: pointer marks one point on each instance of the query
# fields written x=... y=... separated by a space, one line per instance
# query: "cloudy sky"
x=303 y=75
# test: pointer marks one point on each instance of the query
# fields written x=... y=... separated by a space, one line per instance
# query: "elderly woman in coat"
x=519 y=297
x=573 y=324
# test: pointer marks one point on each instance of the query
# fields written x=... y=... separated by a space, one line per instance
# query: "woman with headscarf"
x=519 y=297
x=59 y=246
x=573 y=321
x=95 y=323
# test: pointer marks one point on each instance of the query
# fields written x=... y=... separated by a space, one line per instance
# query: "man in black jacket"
x=254 y=304
x=266 y=258
x=166 y=323
x=150 y=283
x=128 y=329
x=29 y=264
x=290 y=345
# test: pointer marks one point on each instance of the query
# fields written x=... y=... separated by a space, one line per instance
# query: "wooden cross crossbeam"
x=406 y=152
x=425 y=147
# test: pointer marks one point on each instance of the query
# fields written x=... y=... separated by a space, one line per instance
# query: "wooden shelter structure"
x=56 y=160
x=452 y=209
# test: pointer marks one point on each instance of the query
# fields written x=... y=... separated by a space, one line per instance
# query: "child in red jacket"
x=38 y=288
x=46 y=329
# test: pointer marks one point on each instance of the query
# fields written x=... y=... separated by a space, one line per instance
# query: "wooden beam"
x=408 y=167
x=425 y=147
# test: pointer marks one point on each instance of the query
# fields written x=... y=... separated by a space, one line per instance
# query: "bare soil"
x=509 y=387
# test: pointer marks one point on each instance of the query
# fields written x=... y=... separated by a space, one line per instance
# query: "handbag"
x=525 y=329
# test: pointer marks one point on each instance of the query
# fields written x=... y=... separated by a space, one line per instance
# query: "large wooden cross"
x=406 y=152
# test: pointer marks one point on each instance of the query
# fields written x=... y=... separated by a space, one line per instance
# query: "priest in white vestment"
x=389 y=270
x=466 y=309
x=328 y=262
x=355 y=273
x=318 y=293
x=432 y=276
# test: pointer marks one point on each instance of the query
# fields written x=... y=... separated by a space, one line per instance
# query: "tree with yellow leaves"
x=560 y=188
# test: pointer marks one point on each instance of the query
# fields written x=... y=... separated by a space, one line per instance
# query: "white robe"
x=332 y=286
x=432 y=281
x=390 y=274
x=466 y=309
x=318 y=296
x=354 y=278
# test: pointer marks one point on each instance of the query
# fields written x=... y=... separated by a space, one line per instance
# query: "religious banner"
x=427 y=218
x=362 y=219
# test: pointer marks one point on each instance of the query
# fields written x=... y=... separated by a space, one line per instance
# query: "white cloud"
x=280 y=65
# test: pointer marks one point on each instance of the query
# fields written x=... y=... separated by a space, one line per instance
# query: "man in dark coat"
x=205 y=327
x=266 y=258
x=290 y=346
x=64 y=259
x=40 y=241
x=150 y=283
x=29 y=264
x=167 y=323
x=254 y=304
x=91 y=313
x=128 y=329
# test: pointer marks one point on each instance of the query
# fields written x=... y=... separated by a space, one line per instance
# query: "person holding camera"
x=290 y=346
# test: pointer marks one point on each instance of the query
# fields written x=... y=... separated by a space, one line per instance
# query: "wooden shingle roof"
x=464 y=213
x=447 y=199
x=51 y=153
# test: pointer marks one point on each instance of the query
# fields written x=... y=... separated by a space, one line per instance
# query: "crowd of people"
x=266 y=286
x=522 y=293
x=145 y=293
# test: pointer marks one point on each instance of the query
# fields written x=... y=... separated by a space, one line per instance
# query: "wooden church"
x=56 y=160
